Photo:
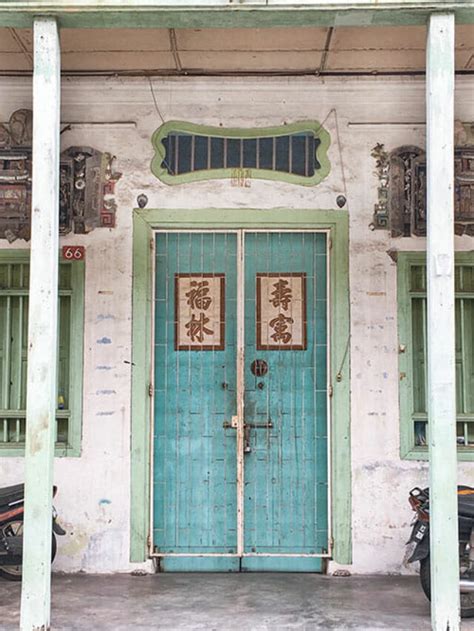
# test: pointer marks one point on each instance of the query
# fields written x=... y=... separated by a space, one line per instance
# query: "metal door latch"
x=232 y=424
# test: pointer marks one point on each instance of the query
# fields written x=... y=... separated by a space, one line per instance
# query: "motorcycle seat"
x=466 y=501
x=10 y=494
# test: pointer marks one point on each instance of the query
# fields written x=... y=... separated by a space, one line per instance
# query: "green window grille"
x=14 y=284
x=413 y=364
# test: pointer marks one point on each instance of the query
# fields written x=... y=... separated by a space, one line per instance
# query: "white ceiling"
x=286 y=50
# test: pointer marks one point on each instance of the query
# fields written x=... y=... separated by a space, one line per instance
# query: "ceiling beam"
x=224 y=14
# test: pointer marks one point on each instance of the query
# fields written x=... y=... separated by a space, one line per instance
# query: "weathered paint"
x=286 y=472
x=405 y=260
x=285 y=468
x=369 y=110
x=42 y=330
x=225 y=14
x=336 y=223
x=441 y=356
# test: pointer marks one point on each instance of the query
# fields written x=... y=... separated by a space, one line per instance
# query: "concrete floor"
x=215 y=602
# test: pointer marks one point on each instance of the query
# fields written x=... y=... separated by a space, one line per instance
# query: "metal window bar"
x=306 y=156
x=193 y=151
x=290 y=154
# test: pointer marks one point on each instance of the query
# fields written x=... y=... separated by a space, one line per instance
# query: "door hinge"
x=152 y=244
x=331 y=543
x=148 y=542
x=330 y=243
x=150 y=389
x=330 y=390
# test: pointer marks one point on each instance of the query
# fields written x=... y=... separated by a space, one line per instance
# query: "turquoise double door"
x=240 y=434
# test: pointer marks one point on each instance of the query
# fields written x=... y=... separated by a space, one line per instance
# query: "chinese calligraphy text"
x=281 y=311
x=199 y=312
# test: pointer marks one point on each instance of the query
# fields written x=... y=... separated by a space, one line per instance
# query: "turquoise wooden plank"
x=194 y=456
x=200 y=564
x=286 y=479
x=281 y=564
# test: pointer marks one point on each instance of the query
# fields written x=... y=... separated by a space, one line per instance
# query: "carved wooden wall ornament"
x=86 y=190
x=87 y=183
x=401 y=205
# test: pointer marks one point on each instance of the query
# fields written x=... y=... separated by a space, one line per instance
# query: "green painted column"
x=42 y=330
x=441 y=342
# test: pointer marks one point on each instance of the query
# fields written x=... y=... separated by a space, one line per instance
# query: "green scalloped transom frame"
x=234 y=132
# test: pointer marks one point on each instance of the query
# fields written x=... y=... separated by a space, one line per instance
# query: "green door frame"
x=145 y=222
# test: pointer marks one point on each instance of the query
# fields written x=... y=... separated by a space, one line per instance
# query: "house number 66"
x=74 y=252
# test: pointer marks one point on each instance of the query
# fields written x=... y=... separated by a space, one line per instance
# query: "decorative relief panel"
x=87 y=183
x=87 y=190
x=401 y=205
x=15 y=176
x=199 y=312
x=281 y=311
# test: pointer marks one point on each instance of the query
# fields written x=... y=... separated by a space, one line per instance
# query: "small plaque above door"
x=281 y=311
x=199 y=312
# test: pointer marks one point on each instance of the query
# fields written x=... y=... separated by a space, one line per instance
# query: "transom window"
x=413 y=340
x=14 y=290
x=295 y=153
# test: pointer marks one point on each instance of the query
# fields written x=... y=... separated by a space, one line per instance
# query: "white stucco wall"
x=94 y=490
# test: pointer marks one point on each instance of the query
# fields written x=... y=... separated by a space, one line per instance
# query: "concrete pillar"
x=441 y=343
x=42 y=330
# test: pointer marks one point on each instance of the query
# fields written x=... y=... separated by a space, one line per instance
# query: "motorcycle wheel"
x=12 y=529
x=467 y=600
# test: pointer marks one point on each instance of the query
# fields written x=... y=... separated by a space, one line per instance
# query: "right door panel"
x=286 y=457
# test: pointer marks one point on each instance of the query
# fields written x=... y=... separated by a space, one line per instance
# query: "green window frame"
x=412 y=309
x=14 y=291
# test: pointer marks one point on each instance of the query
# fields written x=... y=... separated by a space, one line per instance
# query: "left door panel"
x=194 y=468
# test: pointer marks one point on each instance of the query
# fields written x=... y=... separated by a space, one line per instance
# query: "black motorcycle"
x=419 y=543
x=11 y=531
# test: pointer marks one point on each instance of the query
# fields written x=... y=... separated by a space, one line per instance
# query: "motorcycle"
x=419 y=543
x=11 y=531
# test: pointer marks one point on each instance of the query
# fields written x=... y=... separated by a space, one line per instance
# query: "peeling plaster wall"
x=94 y=490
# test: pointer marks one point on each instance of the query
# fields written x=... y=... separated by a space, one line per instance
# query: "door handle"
x=267 y=425
x=234 y=424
